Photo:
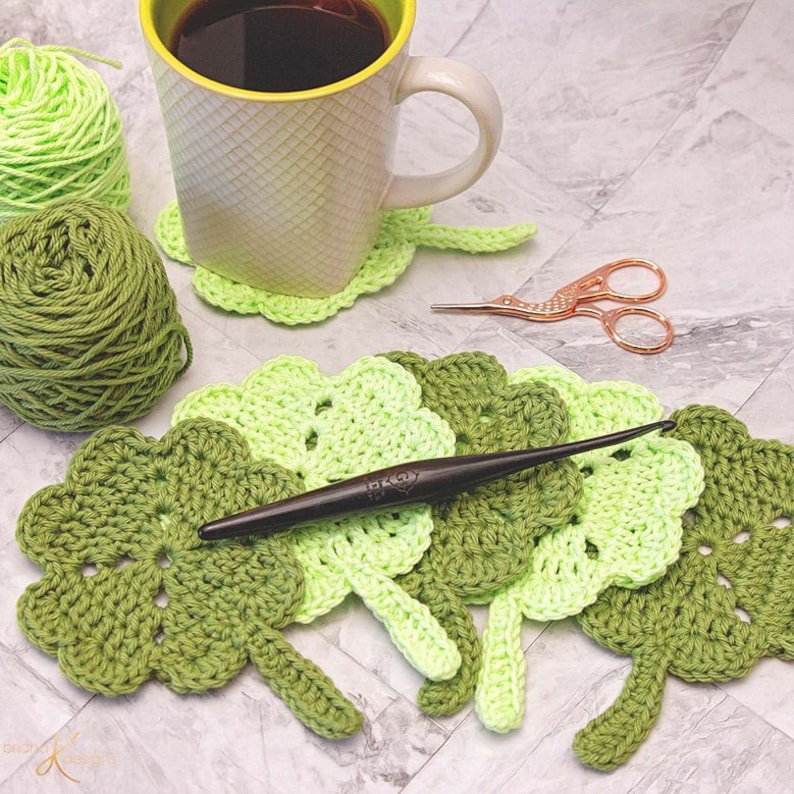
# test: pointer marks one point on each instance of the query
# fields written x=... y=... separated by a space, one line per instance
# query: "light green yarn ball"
x=60 y=132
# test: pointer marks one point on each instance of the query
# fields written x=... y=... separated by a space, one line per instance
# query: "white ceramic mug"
x=285 y=191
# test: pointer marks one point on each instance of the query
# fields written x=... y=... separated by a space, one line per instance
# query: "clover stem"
x=413 y=629
x=305 y=688
x=611 y=739
x=500 y=685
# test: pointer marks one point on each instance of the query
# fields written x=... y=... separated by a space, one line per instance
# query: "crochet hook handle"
x=405 y=484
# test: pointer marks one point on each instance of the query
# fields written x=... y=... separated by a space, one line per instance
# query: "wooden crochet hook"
x=430 y=480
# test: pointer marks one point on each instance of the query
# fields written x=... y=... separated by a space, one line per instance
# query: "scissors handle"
x=595 y=285
x=609 y=320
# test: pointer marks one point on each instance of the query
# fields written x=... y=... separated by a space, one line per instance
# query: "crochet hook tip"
x=666 y=424
x=218 y=530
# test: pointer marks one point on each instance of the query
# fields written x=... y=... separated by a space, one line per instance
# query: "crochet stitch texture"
x=329 y=428
x=726 y=602
x=129 y=592
x=90 y=332
x=484 y=538
x=403 y=231
x=626 y=531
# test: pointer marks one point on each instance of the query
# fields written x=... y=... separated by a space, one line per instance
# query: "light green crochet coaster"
x=402 y=232
x=626 y=531
x=329 y=428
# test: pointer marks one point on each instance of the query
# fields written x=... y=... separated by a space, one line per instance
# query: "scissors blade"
x=502 y=304
x=485 y=307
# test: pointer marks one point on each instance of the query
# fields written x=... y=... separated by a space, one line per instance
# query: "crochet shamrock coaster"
x=328 y=429
x=129 y=592
x=400 y=235
x=485 y=537
x=626 y=531
x=723 y=605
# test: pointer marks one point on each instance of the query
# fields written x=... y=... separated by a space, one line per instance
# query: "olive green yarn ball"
x=90 y=334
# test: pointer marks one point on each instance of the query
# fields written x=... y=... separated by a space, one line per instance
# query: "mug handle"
x=461 y=82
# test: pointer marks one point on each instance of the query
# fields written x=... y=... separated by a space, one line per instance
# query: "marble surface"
x=662 y=129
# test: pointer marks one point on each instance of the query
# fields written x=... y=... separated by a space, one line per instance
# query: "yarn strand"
x=60 y=130
x=20 y=42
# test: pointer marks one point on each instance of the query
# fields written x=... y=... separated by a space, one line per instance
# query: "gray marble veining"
x=662 y=129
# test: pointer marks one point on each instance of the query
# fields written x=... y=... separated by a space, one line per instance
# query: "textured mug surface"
x=284 y=192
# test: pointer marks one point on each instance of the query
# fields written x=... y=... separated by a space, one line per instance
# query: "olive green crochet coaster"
x=484 y=538
x=329 y=428
x=626 y=530
x=726 y=602
x=129 y=592
x=402 y=232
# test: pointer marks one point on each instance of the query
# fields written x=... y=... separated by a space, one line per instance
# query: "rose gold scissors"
x=572 y=301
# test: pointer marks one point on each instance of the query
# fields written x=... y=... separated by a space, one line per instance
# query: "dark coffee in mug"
x=279 y=45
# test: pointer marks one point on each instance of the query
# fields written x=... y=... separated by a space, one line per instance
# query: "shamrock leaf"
x=483 y=539
x=626 y=530
x=129 y=591
x=328 y=429
x=723 y=605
